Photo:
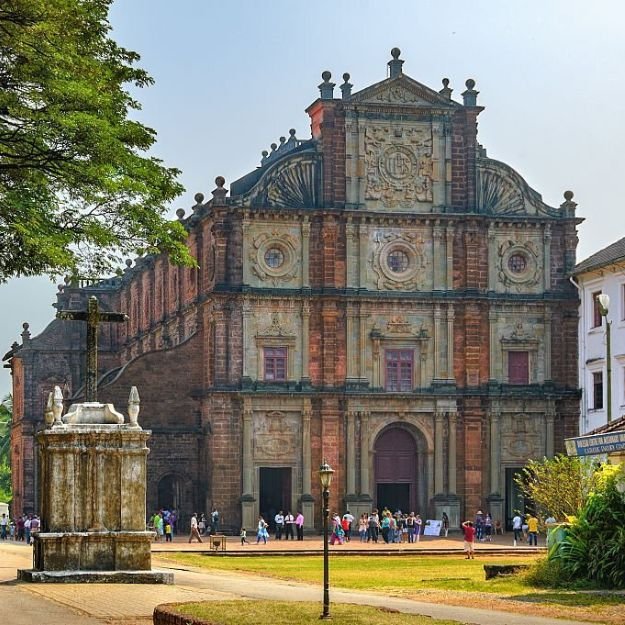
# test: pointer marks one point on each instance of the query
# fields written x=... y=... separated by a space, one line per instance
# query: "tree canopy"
x=6 y=411
x=77 y=188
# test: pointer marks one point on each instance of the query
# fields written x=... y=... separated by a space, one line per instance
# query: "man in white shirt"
x=4 y=523
x=517 y=527
x=289 y=522
x=347 y=527
x=194 y=530
x=279 y=521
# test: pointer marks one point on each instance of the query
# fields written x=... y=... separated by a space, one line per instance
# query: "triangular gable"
x=402 y=91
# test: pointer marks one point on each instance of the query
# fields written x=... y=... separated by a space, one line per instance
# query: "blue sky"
x=233 y=77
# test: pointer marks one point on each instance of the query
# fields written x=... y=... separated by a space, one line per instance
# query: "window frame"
x=274 y=359
x=596 y=310
x=597 y=401
x=403 y=384
x=526 y=377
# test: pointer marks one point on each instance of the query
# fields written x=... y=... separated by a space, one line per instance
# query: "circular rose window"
x=398 y=261
x=517 y=263
x=274 y=258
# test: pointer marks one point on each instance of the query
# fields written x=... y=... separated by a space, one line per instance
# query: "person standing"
x=410 y=527
x=348 y=519
x=261 y=531
x=299 y=525
x=4 y=522
x=194 y=529
x=243 y=536
x=532 y=528
x=374 y=526
x=168 y=532
x=469 y=539
x=35 y=525
x=517 y=527
x=279 y=521
x=215 y=520
x=289 y=522
x=418 y=522
x=445 y=524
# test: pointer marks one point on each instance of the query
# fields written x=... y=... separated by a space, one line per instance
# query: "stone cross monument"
x=92 y=487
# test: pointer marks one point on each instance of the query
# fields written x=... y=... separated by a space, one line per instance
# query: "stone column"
x=549 y=429
x=450 y=257
x=306 y=253
x=438 y=452
x=438 y=331
x=450 y=342
x=493 y=351
x=447 y=129
x=492 y=256
x=376 y=363
x=351 y=453
x=351 y=268
x=305 y=374
x=247 y=340
x=363 y=231
x=495 y=451
x=547 y=335
x=351 y=345
x=308 y=501
x=363 y=344
x=365 y=487
x=547 y=257
x=438 y=166
x=438 y=259
x=451 y=478
x=248 y=513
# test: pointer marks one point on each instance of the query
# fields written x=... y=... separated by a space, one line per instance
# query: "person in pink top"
x=469 y=538
x=299 y=525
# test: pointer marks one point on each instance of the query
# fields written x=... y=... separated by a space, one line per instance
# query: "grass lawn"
x=302 y=613
x=440 y=579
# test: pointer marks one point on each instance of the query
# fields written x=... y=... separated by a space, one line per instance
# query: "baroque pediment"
x=401 y=91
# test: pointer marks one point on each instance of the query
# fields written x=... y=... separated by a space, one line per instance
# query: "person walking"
x=469 y=539
x=532 y=528
x=299 y=525
x=243 y=536
x=261 y=531
x=517 y=527
x=194 y=529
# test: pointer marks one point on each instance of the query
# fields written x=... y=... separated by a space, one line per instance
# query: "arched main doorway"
x=398 y=467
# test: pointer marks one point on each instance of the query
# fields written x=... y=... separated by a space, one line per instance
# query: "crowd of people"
x=19 y=529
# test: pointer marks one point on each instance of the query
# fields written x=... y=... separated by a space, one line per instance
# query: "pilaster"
x=438 y=452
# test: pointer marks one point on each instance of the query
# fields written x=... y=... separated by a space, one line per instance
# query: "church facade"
x=382 y=295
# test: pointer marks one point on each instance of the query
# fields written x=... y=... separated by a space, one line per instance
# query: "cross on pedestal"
x=92 y=316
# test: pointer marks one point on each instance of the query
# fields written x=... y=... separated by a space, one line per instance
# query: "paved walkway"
x=99 y=604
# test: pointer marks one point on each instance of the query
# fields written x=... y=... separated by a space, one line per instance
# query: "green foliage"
x=6 y=408
x=594 y=548
x=547 y=573
x=76 y=189
x=558 y=486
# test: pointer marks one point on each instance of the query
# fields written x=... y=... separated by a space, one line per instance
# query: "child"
x=168 y=533
x=243 y=536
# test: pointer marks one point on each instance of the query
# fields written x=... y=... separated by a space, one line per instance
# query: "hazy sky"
x=231 y=77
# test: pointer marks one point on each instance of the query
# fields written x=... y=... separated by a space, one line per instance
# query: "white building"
x=603 y=272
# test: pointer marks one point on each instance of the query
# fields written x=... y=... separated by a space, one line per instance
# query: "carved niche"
x=398 y=260
x=273 y=257
x=276 y=436
x=399 y=165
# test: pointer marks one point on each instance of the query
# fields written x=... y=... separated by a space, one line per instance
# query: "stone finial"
x=57 y=406
x=219 y=194
x=470 y=95
x=568 y=206
x=180 y=214
x=48 y=415
x=128 y=263
x=346 y=87
x=25 y=333
x=133 y=406
x=264 y=155
x=446 y=90
x=395 y=64
x=199 y=199
x=326 y=88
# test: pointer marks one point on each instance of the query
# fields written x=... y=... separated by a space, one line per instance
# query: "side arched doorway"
x=169 y=492
x=399 y=471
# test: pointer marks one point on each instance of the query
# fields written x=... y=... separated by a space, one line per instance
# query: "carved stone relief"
x=276 y=327
x=276 y=436
x=519 y=265
x=399 y=165
x=520 y=439
x=398 y=260
x=274 y=257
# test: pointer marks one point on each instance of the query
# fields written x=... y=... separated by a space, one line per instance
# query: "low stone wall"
x=166 y=614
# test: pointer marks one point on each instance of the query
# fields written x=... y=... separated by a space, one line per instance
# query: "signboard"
x=596 y=444
x=432 y=527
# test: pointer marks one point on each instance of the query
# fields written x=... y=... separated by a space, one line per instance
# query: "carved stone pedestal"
x=308 y=510
x=92 y=478
x=451 y=505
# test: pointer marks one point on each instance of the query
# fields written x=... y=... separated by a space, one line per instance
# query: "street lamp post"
x=325 y=476
x=604 y=304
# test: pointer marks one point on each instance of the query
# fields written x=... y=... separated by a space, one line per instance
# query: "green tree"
x=558 y=486
x=77 y=190
x=6 y=411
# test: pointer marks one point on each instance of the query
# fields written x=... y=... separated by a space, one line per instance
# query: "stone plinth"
x=92 y=478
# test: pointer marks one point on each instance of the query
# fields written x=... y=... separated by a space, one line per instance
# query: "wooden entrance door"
x=396 y=470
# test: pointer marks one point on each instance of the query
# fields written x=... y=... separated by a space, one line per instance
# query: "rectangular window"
x=597 y=390
x=622 y=302
x=596 y=310
x=518 y=367
x=275 y=363
x=399 y=365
